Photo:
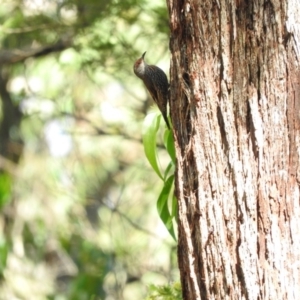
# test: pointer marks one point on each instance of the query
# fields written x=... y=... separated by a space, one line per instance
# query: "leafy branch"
x=166 y=202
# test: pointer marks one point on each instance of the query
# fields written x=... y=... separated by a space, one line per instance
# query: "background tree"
x=74 y=181
x=235 y=111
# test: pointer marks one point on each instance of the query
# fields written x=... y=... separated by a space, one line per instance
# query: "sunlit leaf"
x=150 y=129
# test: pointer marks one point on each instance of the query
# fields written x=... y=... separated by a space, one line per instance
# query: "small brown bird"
x=156 y=82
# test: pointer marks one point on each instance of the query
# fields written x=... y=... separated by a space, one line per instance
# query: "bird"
x=156 y=82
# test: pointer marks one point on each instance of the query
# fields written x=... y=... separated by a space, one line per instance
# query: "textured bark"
x=235 y=100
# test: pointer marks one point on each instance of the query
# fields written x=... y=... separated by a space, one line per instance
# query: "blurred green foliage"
x=165 y=292
x=5 y=189
x=77 y=195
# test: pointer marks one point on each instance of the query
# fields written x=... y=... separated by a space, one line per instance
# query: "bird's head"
x=139 y=66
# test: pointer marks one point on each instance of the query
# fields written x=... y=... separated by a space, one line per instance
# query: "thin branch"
x=100 y=131
x=133 y=224
x=19 y=55
x=28 y=28
x=8 y=166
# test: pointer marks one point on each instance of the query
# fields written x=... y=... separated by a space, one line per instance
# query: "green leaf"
x=162 y=206
x=169 y=144
x=174 y=207
x=5 y=189
x=150 y=129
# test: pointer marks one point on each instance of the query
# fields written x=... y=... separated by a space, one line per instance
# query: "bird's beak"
x=144 y=54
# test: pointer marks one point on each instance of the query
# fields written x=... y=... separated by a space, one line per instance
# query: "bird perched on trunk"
x=156 y=82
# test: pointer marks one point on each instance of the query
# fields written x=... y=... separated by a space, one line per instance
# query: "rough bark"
x=235 y=100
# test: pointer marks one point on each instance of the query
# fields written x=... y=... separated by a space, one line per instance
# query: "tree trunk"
x=235 y=100
x=11 y=143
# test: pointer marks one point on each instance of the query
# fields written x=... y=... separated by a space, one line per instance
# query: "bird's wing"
x=152 y=90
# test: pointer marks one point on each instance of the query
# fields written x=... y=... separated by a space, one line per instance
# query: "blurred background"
x=77 y=196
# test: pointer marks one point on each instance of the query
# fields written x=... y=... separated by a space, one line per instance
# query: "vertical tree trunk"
x=235 y=109
x=11 y=144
